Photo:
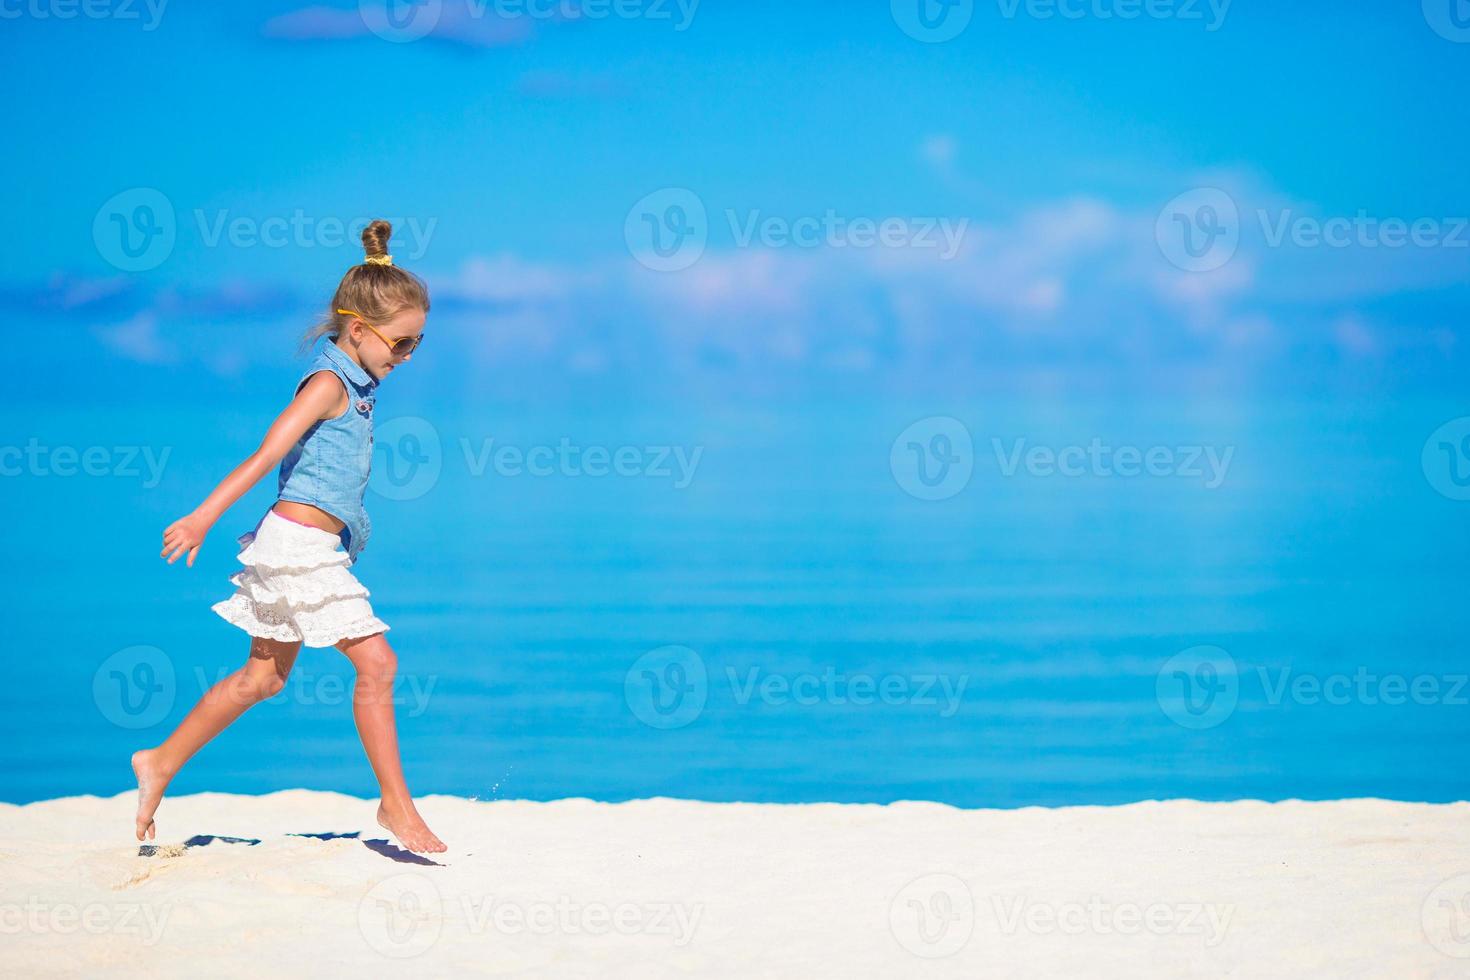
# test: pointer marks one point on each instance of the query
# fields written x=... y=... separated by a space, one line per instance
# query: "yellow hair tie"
x=378 y=260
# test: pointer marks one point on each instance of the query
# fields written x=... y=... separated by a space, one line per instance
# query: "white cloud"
x=1075 y=282
x=506 y=278
x=467 y=25
x=138 y=339
x=1355 y=337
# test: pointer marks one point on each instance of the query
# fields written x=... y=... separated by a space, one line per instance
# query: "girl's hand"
x=184 y=534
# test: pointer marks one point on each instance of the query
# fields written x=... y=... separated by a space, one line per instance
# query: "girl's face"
x=373 y=352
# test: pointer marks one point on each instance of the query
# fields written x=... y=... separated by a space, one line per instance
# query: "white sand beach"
x=664 y=888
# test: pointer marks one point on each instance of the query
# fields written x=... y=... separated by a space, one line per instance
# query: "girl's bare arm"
x=322 y=397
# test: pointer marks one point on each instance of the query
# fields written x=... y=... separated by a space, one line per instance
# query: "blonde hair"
x=377 y=290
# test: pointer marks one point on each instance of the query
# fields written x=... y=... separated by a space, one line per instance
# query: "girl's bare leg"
x=263 y=676
x=372 y=709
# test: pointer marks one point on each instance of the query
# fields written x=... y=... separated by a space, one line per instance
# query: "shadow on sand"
x=378 y=846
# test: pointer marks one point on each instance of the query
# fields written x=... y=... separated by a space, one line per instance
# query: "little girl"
x=295 y=587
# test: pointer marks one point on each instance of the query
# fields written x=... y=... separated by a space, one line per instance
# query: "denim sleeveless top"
x=329 y=466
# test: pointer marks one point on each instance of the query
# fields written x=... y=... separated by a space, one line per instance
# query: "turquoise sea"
x=1110 y=601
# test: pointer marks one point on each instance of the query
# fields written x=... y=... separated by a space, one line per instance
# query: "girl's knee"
x=372 y=657
x=258 y=681
x=269 y=665
x=269 y=685
x=382 y=662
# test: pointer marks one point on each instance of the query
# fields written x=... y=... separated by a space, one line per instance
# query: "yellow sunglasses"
x=401 y=347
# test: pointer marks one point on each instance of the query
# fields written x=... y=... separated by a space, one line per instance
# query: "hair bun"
x=375 y=238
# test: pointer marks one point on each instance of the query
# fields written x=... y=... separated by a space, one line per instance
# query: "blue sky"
x=513 y=149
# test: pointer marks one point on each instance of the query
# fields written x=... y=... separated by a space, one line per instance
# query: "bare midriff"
x=307 y=514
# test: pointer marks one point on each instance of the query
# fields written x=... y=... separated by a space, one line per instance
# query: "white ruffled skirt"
x=296 y=586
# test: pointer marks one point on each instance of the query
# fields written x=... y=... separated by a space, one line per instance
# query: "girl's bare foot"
x=152 y=781
x=403 y=821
